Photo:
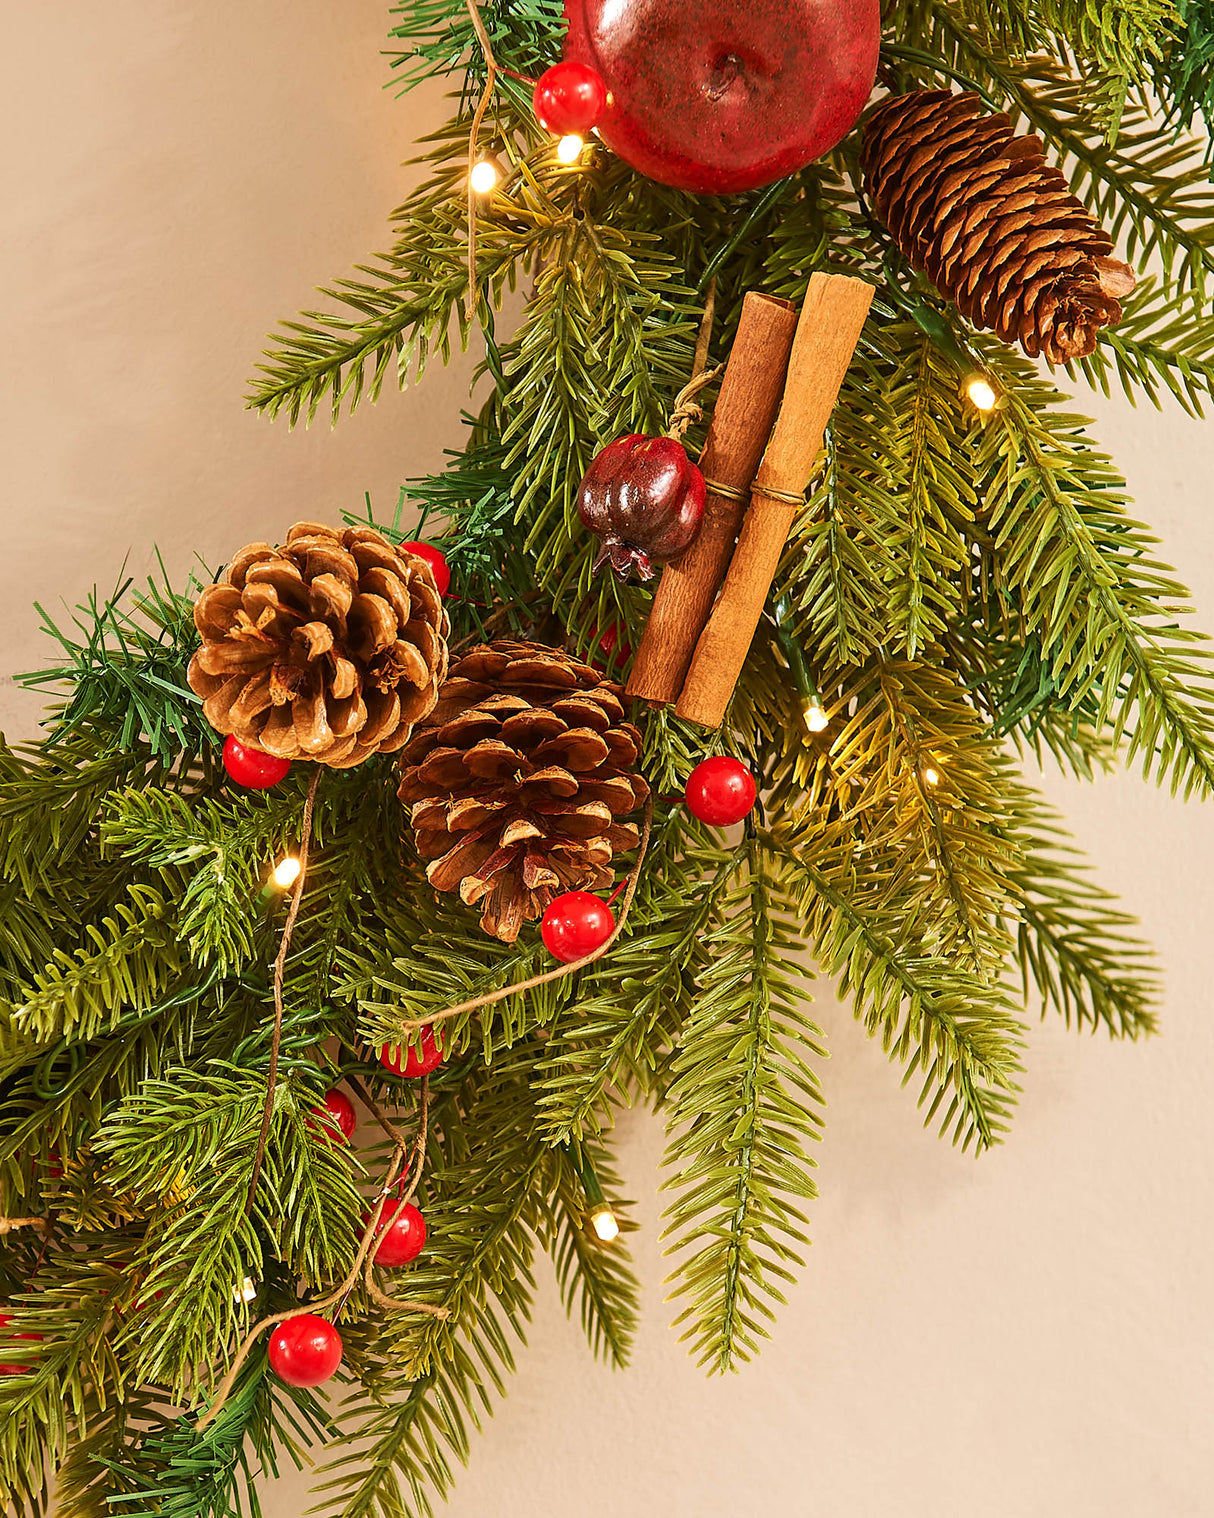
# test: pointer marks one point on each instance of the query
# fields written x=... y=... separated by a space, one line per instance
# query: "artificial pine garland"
x=212 y=959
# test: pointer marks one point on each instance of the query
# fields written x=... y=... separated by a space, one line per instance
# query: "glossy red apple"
x=718 y=96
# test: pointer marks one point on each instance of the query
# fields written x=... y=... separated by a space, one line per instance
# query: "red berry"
x=436 y=561
x=401 y=1232
x=15 y=1370
x=570 y=97
x=720 y=791
x=610 y=642
x=250 y=767
x=340 y=1110
x=576 y=924
x=305 y=1350
x=418 y=1059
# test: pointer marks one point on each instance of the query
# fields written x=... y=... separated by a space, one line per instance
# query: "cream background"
x=1029 y=1334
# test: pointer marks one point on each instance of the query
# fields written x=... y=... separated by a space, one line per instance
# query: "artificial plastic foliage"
x=963 y=591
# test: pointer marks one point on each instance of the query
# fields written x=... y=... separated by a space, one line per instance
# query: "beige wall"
x=1028 y=1334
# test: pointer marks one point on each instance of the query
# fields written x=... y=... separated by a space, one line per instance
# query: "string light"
x=569 y=149
x=286 y=872
x=483 y=176
x=931 y=776
x=604 y=1223
x=246 y=1291
x=981 y=393
x=816 y=719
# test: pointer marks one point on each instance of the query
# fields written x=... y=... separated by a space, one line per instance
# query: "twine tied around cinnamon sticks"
x=781 y=383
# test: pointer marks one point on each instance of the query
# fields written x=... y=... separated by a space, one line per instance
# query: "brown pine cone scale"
x=329 y=648
x=994 y=226
x=517 y=781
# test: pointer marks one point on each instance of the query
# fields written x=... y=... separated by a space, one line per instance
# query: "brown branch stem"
x=482 y=105
x=363 y=1261
x=280 y=963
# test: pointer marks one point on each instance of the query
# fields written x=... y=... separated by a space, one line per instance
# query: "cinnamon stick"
x=829 y=328
x=741 y=424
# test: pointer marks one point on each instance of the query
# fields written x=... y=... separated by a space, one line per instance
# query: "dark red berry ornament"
x=305 y=1350
x=436 y=560
x=418 y=1059
x=340 y=1110
x=15 y=1370
x=576 y=924
x=251 y=768
x=720 y=791
x=570 y=97
x=715 y=96
x=401 y=1232
x=645 y=499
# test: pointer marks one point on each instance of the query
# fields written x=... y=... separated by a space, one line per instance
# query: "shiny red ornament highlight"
x=401 y=1232
x=576 y=924
x=645 y=499
x=420 y=1058
x=721 y=791
x=570 y=97
x=251 y=768
x=305 y=1350
x=436 y=560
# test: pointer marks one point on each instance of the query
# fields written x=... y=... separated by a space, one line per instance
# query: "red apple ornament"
x=645 y=499
x=716 y=96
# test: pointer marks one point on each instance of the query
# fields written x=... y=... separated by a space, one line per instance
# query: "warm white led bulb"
x=286 y=872
x=483 y=177
x=604 y=1223
x=981 y=392
x=931 y=776
x=816 y=719
x=246 y=1291
x=569 y=149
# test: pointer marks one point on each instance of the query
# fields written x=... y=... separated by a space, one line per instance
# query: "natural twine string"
x=280 y=963
x=490 y=997
x=687 y=410
x=363 y=1260
x=482 y=105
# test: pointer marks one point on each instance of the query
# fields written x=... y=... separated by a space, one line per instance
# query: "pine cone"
x=330 y=648
x=516 y=780
x=992 y=224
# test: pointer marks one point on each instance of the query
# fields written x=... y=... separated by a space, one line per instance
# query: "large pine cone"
x=330 y=648
x=516 y=781
x=993 y=225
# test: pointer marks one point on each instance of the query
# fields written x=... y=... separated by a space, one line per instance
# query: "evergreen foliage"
x=964 y=592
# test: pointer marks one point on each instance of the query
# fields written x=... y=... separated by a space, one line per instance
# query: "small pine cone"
x=992 y=224
x=330 y=648
x=516 y=780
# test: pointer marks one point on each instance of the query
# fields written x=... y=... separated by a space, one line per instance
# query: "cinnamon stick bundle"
x=741 y=424
x=829 y=328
